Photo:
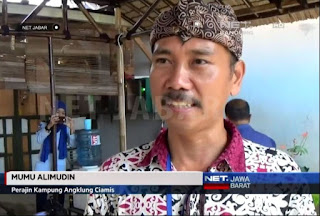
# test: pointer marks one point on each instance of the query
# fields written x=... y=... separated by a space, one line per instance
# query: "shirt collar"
x=233 y=154
x=243 y=126
x=231 y=159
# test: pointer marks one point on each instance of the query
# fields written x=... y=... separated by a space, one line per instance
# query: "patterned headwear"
x=193 y=18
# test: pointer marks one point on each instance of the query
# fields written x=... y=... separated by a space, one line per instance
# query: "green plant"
x=315 y=198
x=299 y=149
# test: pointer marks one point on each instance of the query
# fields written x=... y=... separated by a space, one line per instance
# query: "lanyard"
x=169 y=195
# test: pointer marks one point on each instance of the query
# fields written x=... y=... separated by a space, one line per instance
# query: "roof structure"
x=94 y=21
x=141 y=14
x=258 y=12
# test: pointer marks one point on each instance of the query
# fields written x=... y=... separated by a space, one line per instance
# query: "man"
x=195 y=67
x=238 y=112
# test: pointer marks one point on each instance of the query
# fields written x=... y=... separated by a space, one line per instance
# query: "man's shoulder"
x=269 y=159
x=127 y=160
x=265 y=137
x=255 y=136
x=258 y=137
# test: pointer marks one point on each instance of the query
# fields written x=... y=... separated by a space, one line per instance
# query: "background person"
x=238 y=112
x=64 y=137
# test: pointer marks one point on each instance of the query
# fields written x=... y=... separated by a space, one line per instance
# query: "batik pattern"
x=212 y=21
x=257 y=159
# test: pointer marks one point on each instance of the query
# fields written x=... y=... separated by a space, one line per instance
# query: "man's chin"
x=183 y=124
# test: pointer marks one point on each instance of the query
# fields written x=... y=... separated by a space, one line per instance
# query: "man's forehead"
x=195 y=45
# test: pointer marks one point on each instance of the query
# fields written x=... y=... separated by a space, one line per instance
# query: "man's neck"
x=196 y=150
x=241 y=122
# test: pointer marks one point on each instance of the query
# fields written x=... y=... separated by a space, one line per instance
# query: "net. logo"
x=216 y=178
x=95 y=140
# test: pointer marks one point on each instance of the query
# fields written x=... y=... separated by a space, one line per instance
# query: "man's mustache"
x=181 y=96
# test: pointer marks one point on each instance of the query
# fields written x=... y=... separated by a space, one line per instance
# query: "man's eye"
x=161 y=60
x=200 y=61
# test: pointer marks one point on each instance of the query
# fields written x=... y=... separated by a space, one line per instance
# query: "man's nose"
x=179 y=78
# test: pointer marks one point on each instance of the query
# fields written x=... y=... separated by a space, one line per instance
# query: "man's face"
x=191 y=81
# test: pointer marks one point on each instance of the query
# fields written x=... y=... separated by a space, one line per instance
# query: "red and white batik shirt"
x=239 y=156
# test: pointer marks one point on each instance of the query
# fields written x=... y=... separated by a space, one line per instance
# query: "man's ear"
x=237 y=77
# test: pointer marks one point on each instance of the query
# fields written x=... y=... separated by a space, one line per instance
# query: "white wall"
x=282 y=84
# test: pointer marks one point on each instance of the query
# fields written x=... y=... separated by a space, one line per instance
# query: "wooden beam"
x=148 y=5
x=34 y=12
x=303 y=3
x=139 y=11
x=275 y=13
x=268 y=7
x=87 y=14
x=249 y=5
x=143 y=47
x=51 y=13
x=145 y=32
x=126 y=18
x=53 y=103
x=4 y=13
x=132 y=22
x=278 y=5
x=171 y=5
x=121 y=92
x=107 y=2
x=142 y=18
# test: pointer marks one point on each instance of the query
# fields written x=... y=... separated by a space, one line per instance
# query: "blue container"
x=88 y=147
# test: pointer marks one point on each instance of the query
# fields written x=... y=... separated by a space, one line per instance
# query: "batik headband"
x=193 y=18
